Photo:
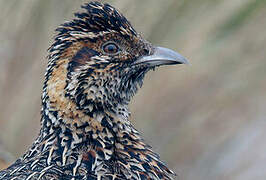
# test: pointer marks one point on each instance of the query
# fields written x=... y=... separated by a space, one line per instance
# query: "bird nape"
x=96 y=64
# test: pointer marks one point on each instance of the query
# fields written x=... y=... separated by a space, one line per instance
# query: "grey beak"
x=162 y=56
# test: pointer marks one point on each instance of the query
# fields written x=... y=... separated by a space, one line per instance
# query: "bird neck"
x=81 y=141
x=68 y=132
x=63 y=119
x=74 y=129
x=87 y=141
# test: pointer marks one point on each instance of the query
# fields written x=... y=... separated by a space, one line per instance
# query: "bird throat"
x=69 y=137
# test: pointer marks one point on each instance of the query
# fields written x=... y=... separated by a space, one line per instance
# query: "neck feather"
x=99 y=142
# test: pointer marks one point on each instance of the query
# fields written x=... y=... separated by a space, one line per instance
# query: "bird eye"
x=111 y=48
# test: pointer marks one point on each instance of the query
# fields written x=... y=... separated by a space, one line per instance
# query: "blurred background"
x=207 y=120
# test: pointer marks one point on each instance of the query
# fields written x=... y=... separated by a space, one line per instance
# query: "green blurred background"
x=207 y=120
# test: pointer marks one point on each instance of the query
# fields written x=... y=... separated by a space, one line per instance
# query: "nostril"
x=146 y=51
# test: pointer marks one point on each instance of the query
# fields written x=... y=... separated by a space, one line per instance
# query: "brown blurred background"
x=207 y=120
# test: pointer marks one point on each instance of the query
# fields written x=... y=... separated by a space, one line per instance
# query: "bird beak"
x=162 y=56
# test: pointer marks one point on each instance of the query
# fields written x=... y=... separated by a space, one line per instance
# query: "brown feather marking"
x=56 y=91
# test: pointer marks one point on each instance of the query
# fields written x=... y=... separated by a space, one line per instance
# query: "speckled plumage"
x=85 y=128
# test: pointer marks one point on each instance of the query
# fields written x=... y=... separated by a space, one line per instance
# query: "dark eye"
x=111 y=48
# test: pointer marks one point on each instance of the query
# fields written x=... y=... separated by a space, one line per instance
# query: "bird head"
x=98 y=60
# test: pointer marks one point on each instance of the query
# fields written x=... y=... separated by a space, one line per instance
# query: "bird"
x=96 y=64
